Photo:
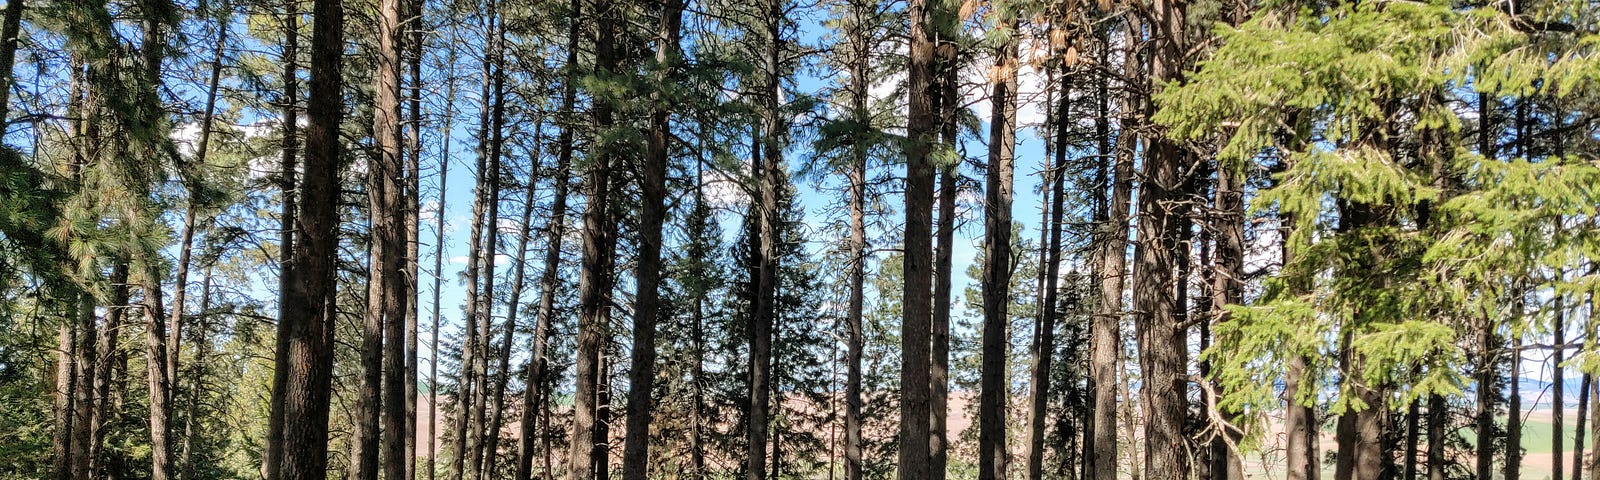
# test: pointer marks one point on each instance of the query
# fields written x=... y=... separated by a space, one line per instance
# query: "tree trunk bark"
x=593 y=285
x=307 y=317
x=1106 y=333
x=647 y=275
x=413 y=206
x=273 y=456
x=1161 y=339
x=947 y=70
x=492 y=400
x=394 y=237
x=860 y=81
x=535 y=400
x=1045 y=327
x=10 y=26
x=993 y=454
x=1558 y=402
x=66 y=358
x=922 y=132
x=1228 y=289
x=1513 y=466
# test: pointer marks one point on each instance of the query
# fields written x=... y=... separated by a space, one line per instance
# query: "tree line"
x=712 y=239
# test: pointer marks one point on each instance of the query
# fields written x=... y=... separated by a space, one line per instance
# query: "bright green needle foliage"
x=1404 y=234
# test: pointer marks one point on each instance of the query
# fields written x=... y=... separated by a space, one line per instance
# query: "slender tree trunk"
x=307 y=318
x=647 y=275
x=157 y=358
x=494 y=138
x=106 y=347
x=201 y=351
x=768 y=165
x=947 y=69
x=593 y=284
x=388 y=128
x=860 y=81
x=1513 y=456
x=63 y=413
x=993 y=455
x=491 y=398
x=535 y=400
x=413 y=208
x=10 y=26
x=922 y=132
x=1558 y=402
x=1106 y=332
x=518 y=281
x=272 y=460
x=1227 y=289
x=438 y=269
x=1045 y=327
x=466 y=392
x=1582 y=427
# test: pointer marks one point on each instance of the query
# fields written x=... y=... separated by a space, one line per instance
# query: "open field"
x=1536 y=441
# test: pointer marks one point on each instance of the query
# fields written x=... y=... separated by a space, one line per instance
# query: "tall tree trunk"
x=1228 y=289
x=438 y=268
x=1582 y=427
x=413 y=208
x=467 y=391
x=272 y=459
x=1558 y=402
x=388 y=130
x=1106 y=332
x=201 y=351
x=106 y=347
x=860 y=81
x=10 y=26
x=922 y=132
x=62 y=411
x=374 y=396
x=947 y=68
x=306 y=318
x=491 y=137
x=159 y=361
x=1489 y=345
x=593 y=284
x=1161 y=339
x=647 y=274
x=536 y=400
x=1045 y=326
x=491 y=398
x=768 y=165
x=1513 y=456
x=993 y=455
